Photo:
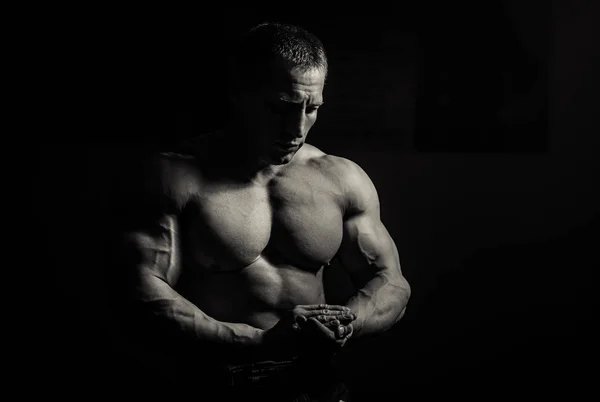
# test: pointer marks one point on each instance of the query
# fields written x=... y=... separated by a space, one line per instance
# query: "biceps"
x=154 y=251
x=367 y=248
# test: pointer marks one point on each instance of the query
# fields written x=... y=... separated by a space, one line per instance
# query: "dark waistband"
x=259 y=372
x=281 y=372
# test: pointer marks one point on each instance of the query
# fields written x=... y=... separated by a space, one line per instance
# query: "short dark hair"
x=271 y=42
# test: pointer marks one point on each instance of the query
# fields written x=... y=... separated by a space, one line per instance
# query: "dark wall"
x=495 y=234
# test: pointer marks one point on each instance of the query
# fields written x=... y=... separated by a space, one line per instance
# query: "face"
x=279 y=115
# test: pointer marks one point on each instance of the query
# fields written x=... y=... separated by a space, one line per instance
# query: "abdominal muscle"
x=256 y=295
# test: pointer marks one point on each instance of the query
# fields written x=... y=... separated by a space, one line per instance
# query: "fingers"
x=340 y=330
x=333 y=307
x=318 y=338
x=329 y=313
x=319 y=328
x=324 y=312
x=299 y=321
x=333 y=324
x=326 y=319
x=344 y=331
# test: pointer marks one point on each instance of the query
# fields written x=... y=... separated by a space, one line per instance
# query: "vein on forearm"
x=380 y=303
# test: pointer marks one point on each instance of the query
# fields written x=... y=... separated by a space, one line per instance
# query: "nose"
x=295 y=124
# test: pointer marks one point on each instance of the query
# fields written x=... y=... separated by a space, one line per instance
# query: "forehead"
x=296 y=85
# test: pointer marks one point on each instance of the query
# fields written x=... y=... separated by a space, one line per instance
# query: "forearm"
x=179 y=318
x=379 y=304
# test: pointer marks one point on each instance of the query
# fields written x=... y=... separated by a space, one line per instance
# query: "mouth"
x=285 y=146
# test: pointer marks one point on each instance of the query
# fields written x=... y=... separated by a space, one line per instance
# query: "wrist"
x=244 y=335
x=247 y=344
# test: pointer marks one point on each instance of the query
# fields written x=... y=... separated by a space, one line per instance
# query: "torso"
x=248 y=250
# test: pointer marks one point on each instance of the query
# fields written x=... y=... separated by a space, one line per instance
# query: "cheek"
x=310 y=122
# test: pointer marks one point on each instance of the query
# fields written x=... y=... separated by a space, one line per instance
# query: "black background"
x=476 y=124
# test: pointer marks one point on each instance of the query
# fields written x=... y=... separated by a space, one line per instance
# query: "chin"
x=282 y=160
x=279 y=159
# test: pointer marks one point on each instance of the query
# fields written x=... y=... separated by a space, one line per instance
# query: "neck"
x=245 y=160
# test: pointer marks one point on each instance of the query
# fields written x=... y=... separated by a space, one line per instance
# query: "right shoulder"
x=165 y=180
x=178 y=175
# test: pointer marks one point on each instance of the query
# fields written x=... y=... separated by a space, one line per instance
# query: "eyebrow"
x=288 y=100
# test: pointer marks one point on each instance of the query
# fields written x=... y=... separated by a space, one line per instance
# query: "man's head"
x=279 y=73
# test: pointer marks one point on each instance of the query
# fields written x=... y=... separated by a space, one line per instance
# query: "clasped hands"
x=317 y=327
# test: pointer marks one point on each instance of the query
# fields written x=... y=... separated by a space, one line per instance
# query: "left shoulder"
x=355 y=184
x=344 y=169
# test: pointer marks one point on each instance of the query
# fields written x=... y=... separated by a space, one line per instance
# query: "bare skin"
x=236 y=254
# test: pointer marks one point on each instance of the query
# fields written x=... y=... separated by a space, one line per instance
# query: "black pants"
x=299 y=379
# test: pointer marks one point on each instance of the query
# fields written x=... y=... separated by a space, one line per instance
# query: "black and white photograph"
x=370 y=202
